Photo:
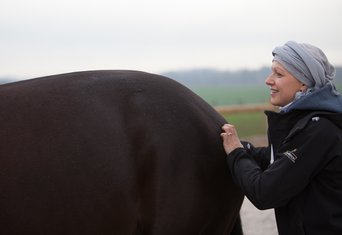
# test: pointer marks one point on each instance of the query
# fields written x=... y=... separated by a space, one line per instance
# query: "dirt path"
x=257 y=222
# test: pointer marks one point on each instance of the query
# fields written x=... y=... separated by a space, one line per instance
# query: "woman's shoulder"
x=324 y=129
x=319 y=124
x=327 y=119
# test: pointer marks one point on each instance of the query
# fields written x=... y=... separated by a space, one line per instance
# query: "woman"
x=300 y=172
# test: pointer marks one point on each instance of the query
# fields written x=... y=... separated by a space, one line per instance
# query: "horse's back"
x=111 y=152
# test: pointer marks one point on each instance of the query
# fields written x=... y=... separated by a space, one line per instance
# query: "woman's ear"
x=303 y=88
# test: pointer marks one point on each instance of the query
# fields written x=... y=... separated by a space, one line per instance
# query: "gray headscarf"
x=305 y=62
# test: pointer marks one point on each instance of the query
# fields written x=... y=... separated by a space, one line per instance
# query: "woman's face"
x=283 y=85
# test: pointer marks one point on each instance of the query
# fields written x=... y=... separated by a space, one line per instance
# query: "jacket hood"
x=324 y=99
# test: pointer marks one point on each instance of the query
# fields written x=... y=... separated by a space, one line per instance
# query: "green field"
x=233 y=95
x=247 y=124
x=236 y=95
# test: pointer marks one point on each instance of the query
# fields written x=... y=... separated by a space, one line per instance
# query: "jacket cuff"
x=233 y=155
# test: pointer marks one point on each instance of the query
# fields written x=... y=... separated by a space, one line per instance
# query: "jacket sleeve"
x=260 y=154
x=295 y=166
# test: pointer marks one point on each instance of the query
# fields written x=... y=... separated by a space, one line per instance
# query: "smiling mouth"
x=273 y=91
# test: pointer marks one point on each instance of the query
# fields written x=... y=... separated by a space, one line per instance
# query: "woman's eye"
x=278 y=74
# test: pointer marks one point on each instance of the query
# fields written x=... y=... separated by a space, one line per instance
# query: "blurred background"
x=221 y=49
x=41 y=37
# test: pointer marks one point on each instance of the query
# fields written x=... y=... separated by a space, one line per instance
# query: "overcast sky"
x=42 y=37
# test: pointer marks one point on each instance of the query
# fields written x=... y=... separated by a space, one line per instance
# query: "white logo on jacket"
x=291 y=155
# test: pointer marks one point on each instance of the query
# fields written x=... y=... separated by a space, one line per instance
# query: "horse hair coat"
x=112 y=152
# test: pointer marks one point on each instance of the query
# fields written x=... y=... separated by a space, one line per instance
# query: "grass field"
x=233 y=95
x=247 y=124
x=236 y=95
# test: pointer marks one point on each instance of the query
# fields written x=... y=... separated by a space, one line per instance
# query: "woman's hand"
x=230 y=138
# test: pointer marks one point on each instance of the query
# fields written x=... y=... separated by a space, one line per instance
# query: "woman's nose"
x=269 y=81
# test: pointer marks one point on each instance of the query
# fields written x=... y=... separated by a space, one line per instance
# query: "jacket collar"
x=324 y=99
x=296 y=120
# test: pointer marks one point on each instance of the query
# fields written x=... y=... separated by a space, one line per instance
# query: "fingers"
x=227 y=126
x=226 y=134
x=230 y=138
x=229 y=129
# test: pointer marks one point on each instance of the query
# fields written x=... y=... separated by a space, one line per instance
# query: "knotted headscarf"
x=305 y=62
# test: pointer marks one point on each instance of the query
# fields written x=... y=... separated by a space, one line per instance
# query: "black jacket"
x=304 y=182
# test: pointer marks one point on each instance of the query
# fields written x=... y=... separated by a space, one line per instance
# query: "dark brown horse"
x=112 y=152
